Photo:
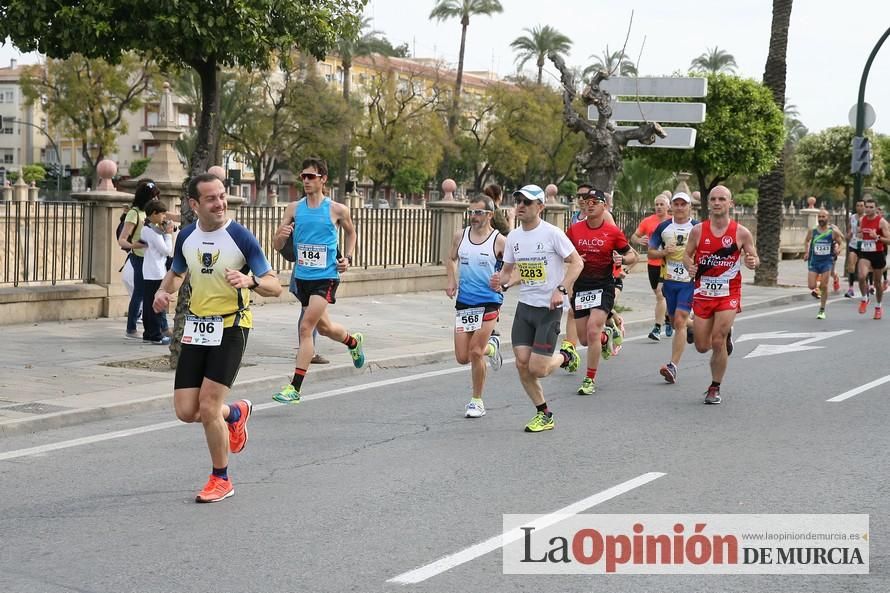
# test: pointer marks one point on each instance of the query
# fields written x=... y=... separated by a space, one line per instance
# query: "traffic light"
x=861 y=162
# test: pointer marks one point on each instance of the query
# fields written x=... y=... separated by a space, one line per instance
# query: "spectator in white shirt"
x=158 y=236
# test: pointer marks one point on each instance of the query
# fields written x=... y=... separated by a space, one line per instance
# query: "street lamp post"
x=55 y=146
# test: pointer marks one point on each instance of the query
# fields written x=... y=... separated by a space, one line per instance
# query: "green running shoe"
x=588 y=387
x=540 y=422
x=821 y=314
x=574 y=358
x=357 y=353
x=608 y=344
x=287 y=395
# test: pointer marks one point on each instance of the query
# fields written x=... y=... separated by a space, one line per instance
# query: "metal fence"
x=45 y=243
x=386 y=237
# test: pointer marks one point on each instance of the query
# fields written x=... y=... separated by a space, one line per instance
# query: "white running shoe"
x=475 y=410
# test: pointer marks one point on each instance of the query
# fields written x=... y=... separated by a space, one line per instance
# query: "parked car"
x=381 y=203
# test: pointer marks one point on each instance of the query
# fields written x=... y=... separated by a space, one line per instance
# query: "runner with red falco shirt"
x=601 y=245
x=714 y=257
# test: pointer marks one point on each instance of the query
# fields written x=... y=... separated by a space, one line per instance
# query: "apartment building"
x=23 y=139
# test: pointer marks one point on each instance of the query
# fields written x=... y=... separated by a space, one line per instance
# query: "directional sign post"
x=638 y=111
x=799 y=346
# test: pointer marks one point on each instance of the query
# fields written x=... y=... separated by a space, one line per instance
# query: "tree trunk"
x=208 y=132
x=344 y=149
x=455 y=101
x=772 y=185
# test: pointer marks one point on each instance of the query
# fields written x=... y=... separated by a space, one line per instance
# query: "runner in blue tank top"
x=313 y=224
x=478 y=250
x=822 y=244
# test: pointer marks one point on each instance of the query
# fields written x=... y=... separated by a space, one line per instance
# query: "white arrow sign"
x=799 y=346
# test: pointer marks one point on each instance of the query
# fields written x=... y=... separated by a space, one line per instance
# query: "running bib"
x=312 y=256
x=714 y=287
x=202 y=331
x=822 y=249
x=532 y=273
x=468 y=320
x=677 y=271
x=868 y=245
x=588 y=299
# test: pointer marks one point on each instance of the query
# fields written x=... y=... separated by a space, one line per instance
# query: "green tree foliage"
x=87 y=99
x=531 y=142
x=33 y=173
x=537 y=44
x=823 y=160
x=410 y=180
x=188 y=33
x=138 y=167
x=714 y=61
x=402 y=129
x=742 y=134
x=286 y=115
x=610 y=62
x=638 y=184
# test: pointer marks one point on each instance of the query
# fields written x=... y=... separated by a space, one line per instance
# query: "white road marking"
x=423 y=573
x=39 y=450
x=857 y=390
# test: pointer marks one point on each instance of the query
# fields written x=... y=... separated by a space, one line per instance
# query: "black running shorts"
x=326 y=289
x=217 y=363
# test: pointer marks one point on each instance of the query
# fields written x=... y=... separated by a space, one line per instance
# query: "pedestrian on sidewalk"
x=214 y=251
x=157 y=235
x=130 y=239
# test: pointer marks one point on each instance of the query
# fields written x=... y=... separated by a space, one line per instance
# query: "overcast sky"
x=829 y=41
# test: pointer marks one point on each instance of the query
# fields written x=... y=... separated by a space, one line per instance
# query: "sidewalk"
x=56 y=374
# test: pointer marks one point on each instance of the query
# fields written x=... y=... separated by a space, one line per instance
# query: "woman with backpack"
x=130 y=239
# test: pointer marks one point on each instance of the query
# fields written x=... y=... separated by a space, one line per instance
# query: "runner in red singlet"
x=714 y=257
x=873 y=235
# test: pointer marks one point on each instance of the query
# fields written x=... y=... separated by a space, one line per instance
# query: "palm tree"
x=714 y=61
x=463 y=9
x=611 y=62
x=772 y=185
x=537 y=44
x=794 y=128
x=364 y=44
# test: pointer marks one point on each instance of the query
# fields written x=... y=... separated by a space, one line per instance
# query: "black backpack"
x=120 y=227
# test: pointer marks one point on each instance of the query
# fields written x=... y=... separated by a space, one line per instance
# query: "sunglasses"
x=308 y=176
x=592 y=198
x=478 y=212
x=524 y=201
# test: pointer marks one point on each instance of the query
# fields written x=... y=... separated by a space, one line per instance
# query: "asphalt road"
x=366 y=481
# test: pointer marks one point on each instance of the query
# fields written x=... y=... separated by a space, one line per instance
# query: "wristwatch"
x=349 y=259
x=504 y=287
x=255 y=283
x=562 y=289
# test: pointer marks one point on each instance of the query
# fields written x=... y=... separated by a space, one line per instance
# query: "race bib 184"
x=312 y=256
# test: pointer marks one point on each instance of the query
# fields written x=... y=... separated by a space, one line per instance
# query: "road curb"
x=163 y=401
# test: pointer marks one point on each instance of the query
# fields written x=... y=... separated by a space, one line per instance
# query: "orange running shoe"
x=837 y=283
x=879 y=311
x=215 y=490
x=863 y=306
x=238 y=430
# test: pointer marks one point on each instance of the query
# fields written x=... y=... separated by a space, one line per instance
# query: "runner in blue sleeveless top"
x=312 y=223
x=478 y=250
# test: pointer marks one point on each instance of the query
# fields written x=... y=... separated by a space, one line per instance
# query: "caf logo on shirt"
x=208 y=260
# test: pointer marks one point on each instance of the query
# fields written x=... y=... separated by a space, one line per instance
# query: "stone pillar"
x=7 y=193
x=451 y=221
x=399 y=202
x=448 y=189
x=233 y=203
x=33 y=192
x=811 y=217
x=355 y=201
x=100 y=245
x=20 y=190
x=165 y=169
x=550 y=192
x=682 y=185
x=555 y=214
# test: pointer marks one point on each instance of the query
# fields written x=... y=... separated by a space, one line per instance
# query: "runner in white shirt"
x=540 y=251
